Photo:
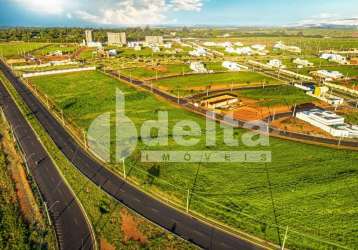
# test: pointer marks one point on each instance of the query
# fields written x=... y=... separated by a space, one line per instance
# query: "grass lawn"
x=163 y=70
x=16 y=49
x=282 y=95
x=203 y=80
x=65 y=48
x=352 y=118
x=308 y=188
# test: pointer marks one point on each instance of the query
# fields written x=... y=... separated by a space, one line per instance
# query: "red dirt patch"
x=297 y=125
x=130 y=228
x=105 y=245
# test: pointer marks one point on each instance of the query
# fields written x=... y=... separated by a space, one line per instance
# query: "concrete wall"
x=54 y=72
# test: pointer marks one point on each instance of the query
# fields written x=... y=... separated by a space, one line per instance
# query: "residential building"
x=154 y=40
x=117 y=38
x=89 y=38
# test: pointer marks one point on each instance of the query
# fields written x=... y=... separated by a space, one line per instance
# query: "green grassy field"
x=65 y=48
x=106 y=214
x=308 y=188
x=272 y=96
x=352 y=118
x=16 y=49
x=146 y=73
x=203 y=80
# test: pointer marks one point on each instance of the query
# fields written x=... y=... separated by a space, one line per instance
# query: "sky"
x=124 y=13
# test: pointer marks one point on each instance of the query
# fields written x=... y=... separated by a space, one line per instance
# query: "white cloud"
x=128 y=12
x=187 y=5
x=49 y=7
x=113 y=12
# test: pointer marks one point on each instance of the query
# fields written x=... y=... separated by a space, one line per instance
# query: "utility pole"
x=84 y=138
x=63 y=120
x=294 y=110
x=187 y=201
x=124 y=168
x=284 y=239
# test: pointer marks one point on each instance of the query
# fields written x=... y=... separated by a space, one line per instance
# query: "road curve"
x=199 y=233
x=72 y=228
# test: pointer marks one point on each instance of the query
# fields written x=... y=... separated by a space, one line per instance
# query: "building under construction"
x=117 y=38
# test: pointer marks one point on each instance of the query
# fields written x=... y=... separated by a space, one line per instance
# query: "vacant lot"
x=17 y=49
x=156 y=71
x=201 y=81
x=308 y=188
x=272 y=96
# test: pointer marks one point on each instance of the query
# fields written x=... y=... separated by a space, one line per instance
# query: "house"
x=97 y=45
x=56 y=53
x=302 y=63
x=328 y=75
x=154 y=40
x=133 y=44
x=329 y=122
x=231 y=66
x=198 y=52
x=239 y=44
x=112 y=52
x=280 y=45
x=275 y=63
x=259 y=47
x=198 y=67
x=240 y=51
x=222 y=101
x=155 y=49
x=168 y=45
x=334 y=58
x=210 y=44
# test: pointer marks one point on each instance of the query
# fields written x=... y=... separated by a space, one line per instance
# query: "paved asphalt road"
x=185 y=226
x=72 y=229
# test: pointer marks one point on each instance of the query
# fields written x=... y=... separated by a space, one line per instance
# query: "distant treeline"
x=70 y=35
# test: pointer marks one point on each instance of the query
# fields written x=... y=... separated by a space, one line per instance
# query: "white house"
x=259 y=47
x=232 y=66
x=280 y=45
x=168 y=45
x=56 y=53
x=275 y=63
x=97 y=45
x=112 y=52
x=155 y=49
x=329 y=122
x=329 y=75
x=209 y=44
x=133 y=44
x=198 y=67
x=334 y=58
x=198 y=52
x=302 y=63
